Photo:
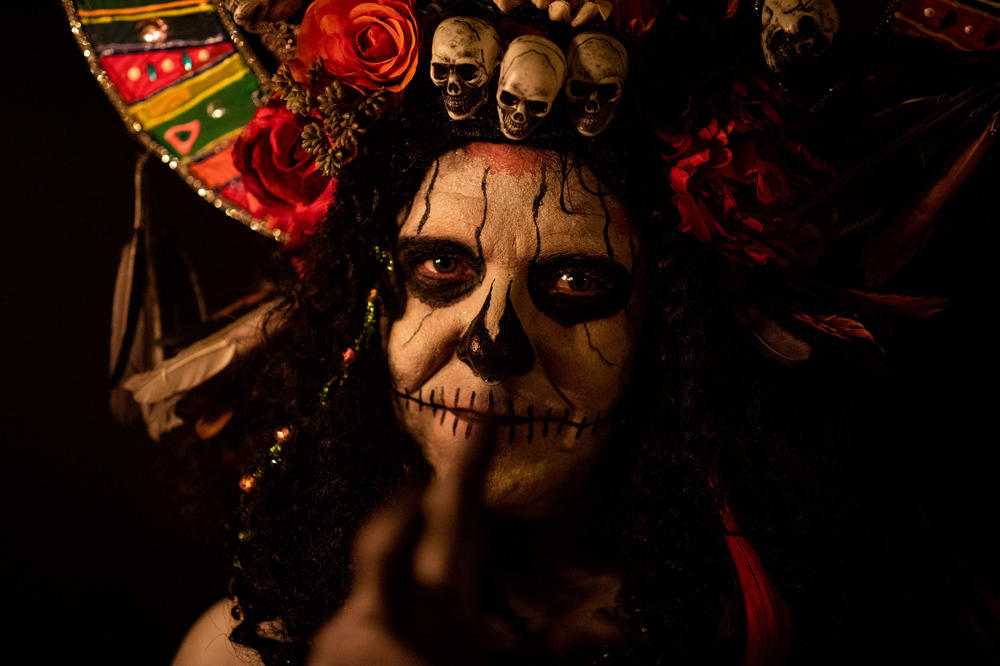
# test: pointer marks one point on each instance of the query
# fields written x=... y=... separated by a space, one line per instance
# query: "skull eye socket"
x=808 y=26
x=578 y=288
x=467 y=72
x=579 y=88
x=439 y=72
x=607 y=91
x=537 y=108
x=437 y=271
x=507 y=99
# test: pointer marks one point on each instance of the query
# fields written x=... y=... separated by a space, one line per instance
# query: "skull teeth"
x=462 y=102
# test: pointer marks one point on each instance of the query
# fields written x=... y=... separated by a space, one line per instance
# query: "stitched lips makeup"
x=483 y=408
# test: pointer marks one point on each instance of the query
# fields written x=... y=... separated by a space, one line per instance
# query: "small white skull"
x=597 y=65
x=796 y=31
x=464 y=53
x=531 y=75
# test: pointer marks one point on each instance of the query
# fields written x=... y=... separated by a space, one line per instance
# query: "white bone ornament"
x=796 y=31
x=531 y=75
x=598 y=64
x=464 y=54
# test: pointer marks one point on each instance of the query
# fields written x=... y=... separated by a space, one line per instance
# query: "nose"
x=453 y=87
x=521 y=111
x=509 y=354
x=593 y=104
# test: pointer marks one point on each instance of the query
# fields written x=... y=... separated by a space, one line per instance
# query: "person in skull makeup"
x=521 y=326
x=518 y=314
x=554 y=416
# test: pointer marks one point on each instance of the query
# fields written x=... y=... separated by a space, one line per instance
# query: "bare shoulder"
x=207 y=642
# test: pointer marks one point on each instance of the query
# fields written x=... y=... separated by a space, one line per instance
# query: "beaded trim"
x=230 y=208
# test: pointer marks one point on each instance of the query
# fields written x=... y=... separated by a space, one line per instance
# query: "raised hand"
x=416 y=595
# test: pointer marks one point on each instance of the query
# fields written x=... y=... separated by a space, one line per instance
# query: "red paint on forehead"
x=508 y=158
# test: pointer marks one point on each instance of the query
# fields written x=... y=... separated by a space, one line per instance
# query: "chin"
x=540 y=462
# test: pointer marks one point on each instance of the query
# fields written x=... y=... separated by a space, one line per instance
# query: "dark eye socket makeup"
x=570 y=288
x=439 y=271
x=575 y=288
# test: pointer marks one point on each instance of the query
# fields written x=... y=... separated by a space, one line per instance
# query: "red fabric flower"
x=283 y=184
x=634 y=18
x=736 y=176
x=367 y=45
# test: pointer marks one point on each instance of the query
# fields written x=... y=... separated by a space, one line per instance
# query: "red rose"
x=281 y=179
x=736 y=177
x=367 y=45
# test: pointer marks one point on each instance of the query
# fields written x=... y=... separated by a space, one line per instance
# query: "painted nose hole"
x=510 y=354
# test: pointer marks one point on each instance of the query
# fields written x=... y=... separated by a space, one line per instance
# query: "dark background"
x=100 y=553
x=101 y=556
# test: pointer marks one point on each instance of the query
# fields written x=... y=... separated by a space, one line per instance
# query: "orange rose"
x=367 y=45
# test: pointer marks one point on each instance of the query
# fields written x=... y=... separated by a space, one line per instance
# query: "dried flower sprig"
x=341 y=114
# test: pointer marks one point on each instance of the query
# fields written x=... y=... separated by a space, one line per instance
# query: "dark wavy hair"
x=695 y=429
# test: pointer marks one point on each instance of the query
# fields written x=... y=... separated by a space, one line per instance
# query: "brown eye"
x=572 y=289
x=445 y=264
x=574 y=282
x=445 y=268
x=439 y=271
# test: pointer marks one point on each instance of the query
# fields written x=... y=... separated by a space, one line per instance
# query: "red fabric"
x=769 y=622
x=634 y=18
x=133 y=89
x=839 y=326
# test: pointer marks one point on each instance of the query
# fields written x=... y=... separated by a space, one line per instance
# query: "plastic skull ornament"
x=464 y=53
x=531 y=75
x=796 y=31
x=597 y=66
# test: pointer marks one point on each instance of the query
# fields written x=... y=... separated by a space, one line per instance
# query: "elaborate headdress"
x=260 y=104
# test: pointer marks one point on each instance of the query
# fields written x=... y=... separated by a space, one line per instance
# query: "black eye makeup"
x=437 y=271
x=575 y=288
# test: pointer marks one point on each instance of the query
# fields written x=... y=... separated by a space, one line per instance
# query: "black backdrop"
x=98 y=559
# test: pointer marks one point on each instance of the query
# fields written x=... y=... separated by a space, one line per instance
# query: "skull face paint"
x=520 y=319
x=598 y=64
x=464 y=53
x=531 y=76
x=796 y=31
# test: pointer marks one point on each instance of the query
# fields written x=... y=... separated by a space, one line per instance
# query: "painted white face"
x=795 y=31
x=520 y=319
x=464 y=53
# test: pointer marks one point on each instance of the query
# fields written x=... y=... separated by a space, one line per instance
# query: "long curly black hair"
x=706 y=422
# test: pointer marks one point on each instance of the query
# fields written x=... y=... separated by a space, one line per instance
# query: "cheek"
x=591 y=362
x=420 y=342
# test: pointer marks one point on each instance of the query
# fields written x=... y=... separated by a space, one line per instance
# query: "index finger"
x=447 y=553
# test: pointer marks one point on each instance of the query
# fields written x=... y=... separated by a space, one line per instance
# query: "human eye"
x=574 y=289
x=445 y=268
x=439 y=272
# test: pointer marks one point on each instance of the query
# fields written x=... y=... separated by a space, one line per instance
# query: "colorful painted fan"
x=183 y=80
